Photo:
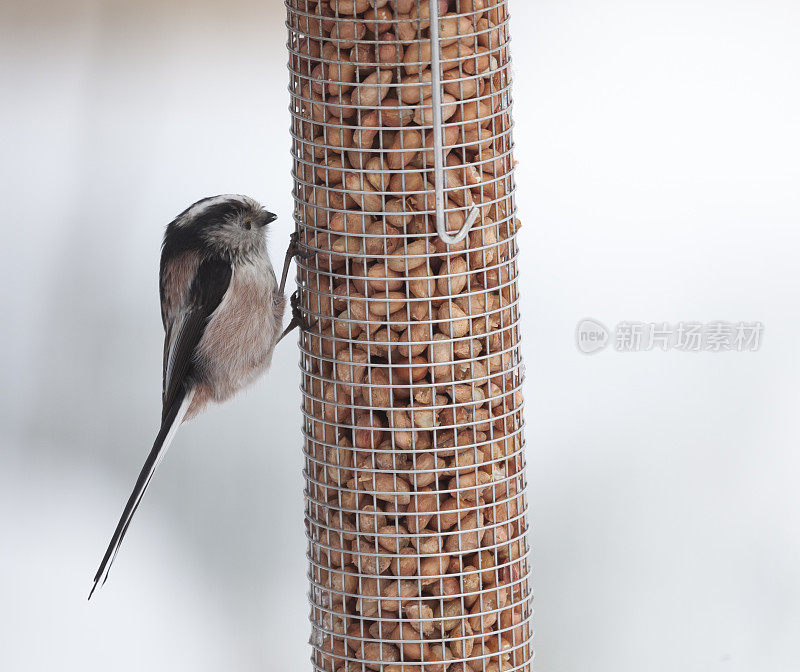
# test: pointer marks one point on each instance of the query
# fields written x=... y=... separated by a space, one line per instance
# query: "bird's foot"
x=298 y=320
x=295 y=250
x=297 y=312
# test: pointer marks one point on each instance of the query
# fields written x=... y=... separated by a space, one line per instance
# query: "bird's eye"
x=248 y=224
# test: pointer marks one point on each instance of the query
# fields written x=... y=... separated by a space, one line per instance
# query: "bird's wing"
x=188 y=305
x=186 y=328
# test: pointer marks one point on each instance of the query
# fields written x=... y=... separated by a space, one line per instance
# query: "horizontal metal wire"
x=404 y=364
x=351 y=278
x=390 y=623
x=299 y=57
x=377 y=664
x=368 y=41
x=333 y=124
x=394 y=578
x=393 y=620
x=400 y=86
x=374 y=539
x=389 y=430
x=416 y=664
x=517 y=587
x=455 y=493
x=431 y=640
x=405 y=534
x=489 y=182
x=298 y=9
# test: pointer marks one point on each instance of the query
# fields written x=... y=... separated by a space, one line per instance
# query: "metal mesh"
x=415 y=475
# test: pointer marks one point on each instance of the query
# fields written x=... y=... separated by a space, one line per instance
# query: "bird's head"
x=231 y=225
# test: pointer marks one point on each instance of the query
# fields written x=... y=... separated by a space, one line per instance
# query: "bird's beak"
x=268 y=218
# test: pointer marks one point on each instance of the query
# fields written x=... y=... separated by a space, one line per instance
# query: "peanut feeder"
x=414 y=454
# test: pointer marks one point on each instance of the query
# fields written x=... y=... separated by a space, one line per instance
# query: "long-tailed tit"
x=222 y=310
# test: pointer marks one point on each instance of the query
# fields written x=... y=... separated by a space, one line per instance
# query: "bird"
x=222 y=310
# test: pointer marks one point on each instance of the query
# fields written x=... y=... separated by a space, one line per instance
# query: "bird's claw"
x=298 y=320
x=297 y=312
x=295 y=250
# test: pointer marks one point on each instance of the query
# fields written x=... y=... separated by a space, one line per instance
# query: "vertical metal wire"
x=438 y=139
x=416 y=509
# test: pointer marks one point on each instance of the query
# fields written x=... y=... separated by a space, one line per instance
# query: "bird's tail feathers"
x=169 y=427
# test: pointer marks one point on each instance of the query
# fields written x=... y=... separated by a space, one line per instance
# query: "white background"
x=659 y=165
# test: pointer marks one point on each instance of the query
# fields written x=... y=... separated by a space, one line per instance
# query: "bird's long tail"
x=166 y=434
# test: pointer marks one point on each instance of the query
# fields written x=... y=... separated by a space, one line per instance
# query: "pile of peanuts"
x=416 y=509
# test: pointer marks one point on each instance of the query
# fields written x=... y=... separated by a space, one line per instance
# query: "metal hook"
x=438 y=143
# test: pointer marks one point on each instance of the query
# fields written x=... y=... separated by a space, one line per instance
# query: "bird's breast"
x=238 y=341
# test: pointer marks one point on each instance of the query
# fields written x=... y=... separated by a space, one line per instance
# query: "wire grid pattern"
x=416 y=510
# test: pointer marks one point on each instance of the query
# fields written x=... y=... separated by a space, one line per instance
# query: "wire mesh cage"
x=416 y=510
